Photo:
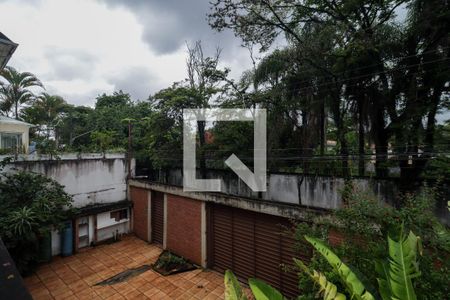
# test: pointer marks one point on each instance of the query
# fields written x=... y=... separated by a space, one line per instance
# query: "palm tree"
x=15 y=91
x=47 y=110
x=51 y=106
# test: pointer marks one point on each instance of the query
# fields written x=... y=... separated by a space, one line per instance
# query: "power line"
x=310 y=148
x=367 y=75
x=369 y=66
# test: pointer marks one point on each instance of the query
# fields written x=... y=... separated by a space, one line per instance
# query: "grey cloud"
x=139 y=82
x=168 y=24
x=85 y=98
x=32 y=2
x=70 y=64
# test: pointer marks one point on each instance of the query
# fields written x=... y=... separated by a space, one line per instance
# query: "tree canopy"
x=355 y=89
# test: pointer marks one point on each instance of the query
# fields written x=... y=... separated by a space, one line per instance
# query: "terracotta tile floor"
x=74 y=277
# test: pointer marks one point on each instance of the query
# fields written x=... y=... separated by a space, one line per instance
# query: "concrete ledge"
x=290 y=211
x=64 y=156
x=102 y=207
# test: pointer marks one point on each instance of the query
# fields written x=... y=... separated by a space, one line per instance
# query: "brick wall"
x=335 y=238
x=140 y=212
x=184 y=227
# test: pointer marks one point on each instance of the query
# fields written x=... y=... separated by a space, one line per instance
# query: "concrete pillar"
x=149 y=216
x=165 y=223
x=204 y=234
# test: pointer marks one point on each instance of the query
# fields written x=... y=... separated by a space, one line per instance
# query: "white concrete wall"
x=89 y=178
x=107 y=226
x=107 y=233
x=311 y=191
x=105 y=220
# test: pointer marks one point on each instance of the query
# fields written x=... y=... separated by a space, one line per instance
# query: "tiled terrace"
x=74 y=277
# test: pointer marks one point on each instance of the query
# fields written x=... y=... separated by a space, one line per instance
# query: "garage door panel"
x=157 y=211
x=243 y=244
x=252 y=245
x=222 y=238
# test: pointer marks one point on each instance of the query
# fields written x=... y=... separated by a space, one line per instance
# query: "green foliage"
x=46 y=111
x=16 y=90
x=230 y=138
x=395 y=281
x=353 y=284
x=168 y=260
x=263 y=291
x=356 y=86
x=365 y=223
x=103 y=140
x=9 y=151
x=328 y=290
x=165 y=126
x=438 y=167
x=75 y=128
x=6 y=160
x=107 y=117
x=22 y=221
x=233 y=290
x=117 y=99
x=380 y=87
x=30 y=206
x=260 y=289
x=47 y=146
x=397 y=272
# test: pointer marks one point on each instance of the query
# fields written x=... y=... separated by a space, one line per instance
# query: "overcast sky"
x=81 y=48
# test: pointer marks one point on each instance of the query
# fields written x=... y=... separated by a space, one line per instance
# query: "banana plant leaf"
x=397 y=272
x=327 y=288
x=233 y=290
x=353 y=284
x=263 y=291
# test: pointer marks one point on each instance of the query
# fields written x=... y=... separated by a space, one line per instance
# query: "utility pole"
x=130 y=140
x=130 y=143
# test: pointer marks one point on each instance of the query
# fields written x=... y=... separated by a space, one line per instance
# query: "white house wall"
x=17 y=128
x=90 y=179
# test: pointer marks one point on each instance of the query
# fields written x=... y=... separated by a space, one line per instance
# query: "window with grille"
x=10 y=140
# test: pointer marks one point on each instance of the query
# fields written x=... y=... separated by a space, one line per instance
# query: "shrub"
x=365 y=223
x=30 y=206
x=395 y=274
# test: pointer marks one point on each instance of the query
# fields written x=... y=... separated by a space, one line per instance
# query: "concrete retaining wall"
x=312 y=191
x=321 y=192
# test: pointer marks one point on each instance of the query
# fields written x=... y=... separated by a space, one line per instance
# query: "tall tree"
x=108 y=114
x=204 y=79
x=16 y=90
x=47 y=112
x=390 y=76
x=76 y=126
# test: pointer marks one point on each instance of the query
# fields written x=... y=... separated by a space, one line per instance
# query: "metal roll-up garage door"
x=157 y=221
x=252 y=245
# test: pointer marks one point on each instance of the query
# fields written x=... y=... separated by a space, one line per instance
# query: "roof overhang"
x=11 y=121
x=7 y=48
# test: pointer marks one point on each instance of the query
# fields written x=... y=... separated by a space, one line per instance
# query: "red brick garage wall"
x=184 y=227
x=139 y=197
